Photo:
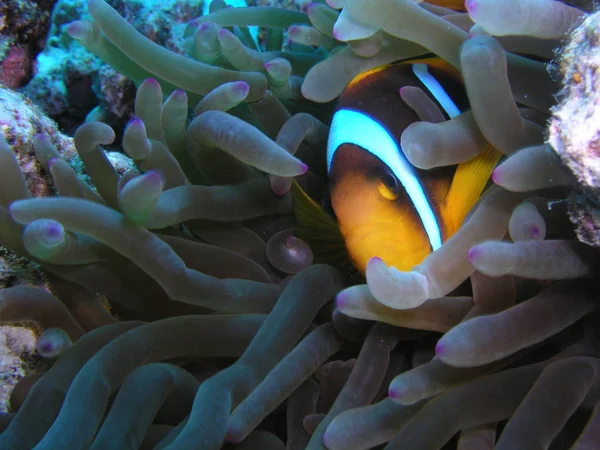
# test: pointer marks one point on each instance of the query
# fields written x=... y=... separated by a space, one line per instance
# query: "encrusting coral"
x=224 y=314
x=576 y=142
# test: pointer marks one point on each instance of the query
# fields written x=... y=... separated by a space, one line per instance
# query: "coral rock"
x=24 y=25
x=574 y=130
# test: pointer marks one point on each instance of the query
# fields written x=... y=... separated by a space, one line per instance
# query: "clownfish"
x=384 y=206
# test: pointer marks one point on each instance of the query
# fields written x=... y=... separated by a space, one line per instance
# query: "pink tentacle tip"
x=473 y=254
x=336 y=34
x=303 y=169
x=41 y=137
x=496 y=175
x=151 y=81
x=47 y=347
x=340 y=300
x=374 y=262
x=155 y=176
x=393 y=392
x=53 y=229
x=205 y=26
x=279 y=186
x=224 y=34
x=180 y=94
x=336 y=4
x=291 y=241
x=135 y=122
x=241 y=88
x=471 y=5
x=535 y=232
x=76 y=29
x=439 y=348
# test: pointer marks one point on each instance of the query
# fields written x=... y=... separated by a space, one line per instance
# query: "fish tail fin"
x=467 y=185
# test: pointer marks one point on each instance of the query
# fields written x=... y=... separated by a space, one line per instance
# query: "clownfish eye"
x=389 y=186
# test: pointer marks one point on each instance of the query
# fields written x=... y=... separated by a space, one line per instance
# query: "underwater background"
x=200 y=250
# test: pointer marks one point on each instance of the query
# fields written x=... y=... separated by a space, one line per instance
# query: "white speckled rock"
x=17 y=359
x=574 y=130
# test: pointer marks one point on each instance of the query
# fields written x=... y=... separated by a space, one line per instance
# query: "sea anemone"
x=227 y=328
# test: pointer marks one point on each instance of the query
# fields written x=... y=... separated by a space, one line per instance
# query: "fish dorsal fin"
x=320 y=231
x=467 y=185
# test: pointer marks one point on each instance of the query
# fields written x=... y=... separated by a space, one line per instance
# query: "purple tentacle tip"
x=303 y=168
x=76 y=29
x=53 y=229
x=339 y=300
x=496 y=176
x=46 y=347
x=224 y=33
x=151 y=81
x=135 y=121
x=535 y=231
x=205 y=26
x=393 y=392
x=470 y=5
x=179 y=94
x=241 y=88
x=439 y=348
x=156 y=176
x=376 y=260
x=473 y=254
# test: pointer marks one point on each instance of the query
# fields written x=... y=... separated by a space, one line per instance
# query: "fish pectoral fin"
x=467 y=185
x=320 y=231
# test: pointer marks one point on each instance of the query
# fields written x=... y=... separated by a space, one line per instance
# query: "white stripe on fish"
x=353 y=127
